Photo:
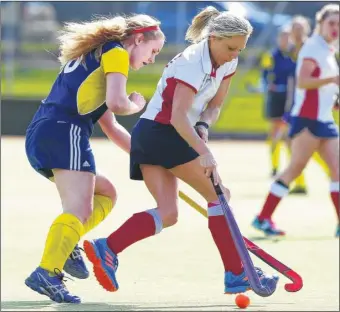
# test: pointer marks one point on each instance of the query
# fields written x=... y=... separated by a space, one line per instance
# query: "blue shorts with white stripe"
x=58 y=144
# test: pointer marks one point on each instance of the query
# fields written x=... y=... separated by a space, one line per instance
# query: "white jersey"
x=193 y=68
x=317 y=104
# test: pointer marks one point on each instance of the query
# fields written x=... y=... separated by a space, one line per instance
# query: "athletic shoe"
x=75 y=265
x=51 y=285
x=234 y=284
x=268 y=227
x=105 y=262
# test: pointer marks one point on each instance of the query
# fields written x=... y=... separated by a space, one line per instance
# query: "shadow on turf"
x=290 y=238
x=87 y=306
x=100 y=306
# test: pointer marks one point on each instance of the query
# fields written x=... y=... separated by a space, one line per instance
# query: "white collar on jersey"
x=206 y=61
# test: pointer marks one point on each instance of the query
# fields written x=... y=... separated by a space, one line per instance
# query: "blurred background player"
x=300 y=29
x=165 y=146
x=277 y=68
x=95 y=58
x=312 y=126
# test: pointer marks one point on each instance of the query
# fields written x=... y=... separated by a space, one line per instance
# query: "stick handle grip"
x=217 y=187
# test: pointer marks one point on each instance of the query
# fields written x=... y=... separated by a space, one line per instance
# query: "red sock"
x=335 y=197
x=141 y=225
x=277 y=191
x=222 y=237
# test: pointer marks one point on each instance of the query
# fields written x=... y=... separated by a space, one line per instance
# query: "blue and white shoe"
x=75 y=265
x=268 y=227
x=105 y=263
x=234 y=284
x=337 y=233
x=52 y=286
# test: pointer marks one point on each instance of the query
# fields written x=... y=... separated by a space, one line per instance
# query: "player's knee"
x=111 y=193
x=108 y=190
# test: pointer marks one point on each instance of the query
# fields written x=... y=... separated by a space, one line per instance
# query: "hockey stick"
x=262 y=290
x=296 y=279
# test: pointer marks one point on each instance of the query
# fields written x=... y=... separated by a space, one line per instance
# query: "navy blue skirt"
x=157 y=144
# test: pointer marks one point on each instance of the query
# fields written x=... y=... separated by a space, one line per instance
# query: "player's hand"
x=226 y=193
x=336 y=80
x=202 y=132
x=138 y=99
x=209 y=164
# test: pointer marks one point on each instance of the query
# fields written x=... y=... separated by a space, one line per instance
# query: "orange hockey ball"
x=242 y=301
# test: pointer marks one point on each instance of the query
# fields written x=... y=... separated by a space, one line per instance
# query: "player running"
x=312 y=126
x=91 y=85
x=165 y=146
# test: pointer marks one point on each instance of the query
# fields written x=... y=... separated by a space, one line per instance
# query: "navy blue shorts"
x=58 y=144
x=317 y=128
x=157 y=144
x=275 y=104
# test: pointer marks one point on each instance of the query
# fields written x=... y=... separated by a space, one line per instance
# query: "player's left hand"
x=202 y=132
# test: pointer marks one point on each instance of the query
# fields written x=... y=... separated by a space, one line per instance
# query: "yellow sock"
x=102 y=206
x=275 y=154
x=300 y=181
x=322 y=163
x=64 y=234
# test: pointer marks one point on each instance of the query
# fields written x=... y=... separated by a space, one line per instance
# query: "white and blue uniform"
x=154 y=140
x=312 y=108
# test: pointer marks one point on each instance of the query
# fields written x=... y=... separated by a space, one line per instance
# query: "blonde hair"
x=210 y=21
x=303 y=21
x=325 y=11
x=78 y=39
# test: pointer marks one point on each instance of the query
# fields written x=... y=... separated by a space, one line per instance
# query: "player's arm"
x=115 y=131
x=305 y=79
x=115 y=65
x=267 y=63
x=211 y=113
x=213 y=109
x=116 y=98
x=183 y=99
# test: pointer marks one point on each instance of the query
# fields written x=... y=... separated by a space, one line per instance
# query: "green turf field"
x=179 y=269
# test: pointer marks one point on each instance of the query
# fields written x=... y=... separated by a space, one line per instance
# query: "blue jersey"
x=277 y=67
x=79 y=92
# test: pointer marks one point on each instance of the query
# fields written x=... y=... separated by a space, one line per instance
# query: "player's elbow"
x=117 y=104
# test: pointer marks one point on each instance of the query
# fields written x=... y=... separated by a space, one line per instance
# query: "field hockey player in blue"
x=91 y=86
x=169 y=143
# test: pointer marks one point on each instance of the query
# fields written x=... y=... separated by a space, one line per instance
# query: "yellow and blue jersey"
x=277 y=67
x=79 y=92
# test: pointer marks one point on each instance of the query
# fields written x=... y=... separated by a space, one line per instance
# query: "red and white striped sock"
x=141 y=225
x=277 y=191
